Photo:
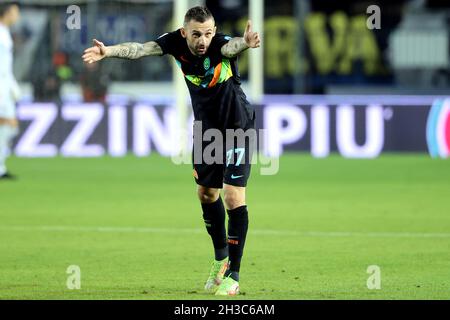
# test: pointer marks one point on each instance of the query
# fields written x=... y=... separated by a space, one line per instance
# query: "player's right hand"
x=95 y=53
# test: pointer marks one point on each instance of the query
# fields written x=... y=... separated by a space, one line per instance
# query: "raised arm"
x=237 y=45
x=128 y=50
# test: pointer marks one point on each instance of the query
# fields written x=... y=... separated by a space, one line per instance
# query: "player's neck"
x=4 y=24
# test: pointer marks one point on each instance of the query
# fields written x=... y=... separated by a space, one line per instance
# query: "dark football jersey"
x=213 y=81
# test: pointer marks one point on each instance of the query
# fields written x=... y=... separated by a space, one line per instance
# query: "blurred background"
x=310 y=46
x=321 y=48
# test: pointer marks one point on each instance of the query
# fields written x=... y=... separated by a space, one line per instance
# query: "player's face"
x=199 y=35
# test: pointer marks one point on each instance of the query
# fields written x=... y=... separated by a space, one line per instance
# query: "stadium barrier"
x=352 y=126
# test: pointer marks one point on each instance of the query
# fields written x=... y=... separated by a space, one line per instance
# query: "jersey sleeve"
x=168 y=42
x=219 y=41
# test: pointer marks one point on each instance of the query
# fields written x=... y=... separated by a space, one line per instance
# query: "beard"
x=199 y=50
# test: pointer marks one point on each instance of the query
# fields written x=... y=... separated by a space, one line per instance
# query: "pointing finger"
x=98 y=43
x=249 y=26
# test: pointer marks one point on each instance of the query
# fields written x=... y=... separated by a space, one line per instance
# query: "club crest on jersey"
x=207 y=64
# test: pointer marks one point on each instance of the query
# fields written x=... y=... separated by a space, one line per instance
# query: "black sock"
x=237 y=232
x=214 y=217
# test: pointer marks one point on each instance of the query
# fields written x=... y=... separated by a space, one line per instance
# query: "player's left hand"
x=15 y=91
x=251 y=38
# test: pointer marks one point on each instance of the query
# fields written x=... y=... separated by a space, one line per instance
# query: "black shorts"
x=234 y=167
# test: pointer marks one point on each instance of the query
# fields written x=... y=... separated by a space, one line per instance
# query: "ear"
x=214 y=32
x=183 y=33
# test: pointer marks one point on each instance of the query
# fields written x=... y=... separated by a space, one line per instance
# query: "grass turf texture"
x=314 y=229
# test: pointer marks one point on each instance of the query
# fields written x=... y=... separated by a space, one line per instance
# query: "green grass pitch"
x=135 y=229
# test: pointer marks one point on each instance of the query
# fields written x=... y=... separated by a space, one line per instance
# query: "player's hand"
x=15 y=91
x=95 y=53
x=251 y=38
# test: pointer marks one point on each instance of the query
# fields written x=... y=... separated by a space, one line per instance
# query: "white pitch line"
x=277 y=233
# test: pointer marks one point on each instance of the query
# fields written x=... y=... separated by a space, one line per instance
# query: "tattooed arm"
x=134 y=50
x=129 y=50
x=234 y=47
x=237 y=45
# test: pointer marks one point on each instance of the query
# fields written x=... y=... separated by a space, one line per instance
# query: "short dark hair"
x=199 y=14
x=4 y=7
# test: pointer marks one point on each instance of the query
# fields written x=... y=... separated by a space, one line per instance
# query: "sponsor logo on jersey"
x=207 y=64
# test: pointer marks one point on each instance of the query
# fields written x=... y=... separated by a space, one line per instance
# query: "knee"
x=233 y=199
x=207 y=195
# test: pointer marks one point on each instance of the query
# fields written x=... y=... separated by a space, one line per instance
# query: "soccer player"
x=9 y=90
x=208 y=61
